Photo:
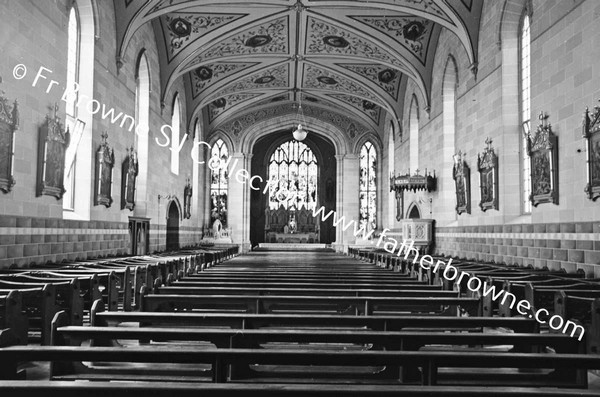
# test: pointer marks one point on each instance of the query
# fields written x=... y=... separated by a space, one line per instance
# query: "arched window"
x=525 y=95
x=448 y=132
x=142 y=115
x=391 y=165
x=175 y=126
x=73 y=46
x=218 y=183
x=414 y=135
x=295 y=166
x=368 y=186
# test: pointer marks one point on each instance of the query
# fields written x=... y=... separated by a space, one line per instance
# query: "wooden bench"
x=256 y=321
x=175 y=289
x=411 y=284
x=170 y=389
x=333 y=304
x=66 y=364
x=39 y=305
x=13 y=322
x=67 y=292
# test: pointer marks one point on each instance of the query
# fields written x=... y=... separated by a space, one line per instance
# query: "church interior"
x=300 y=197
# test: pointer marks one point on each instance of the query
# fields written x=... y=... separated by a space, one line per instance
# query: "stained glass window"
x=368 y=186
x=295 y=166
x=218 y=184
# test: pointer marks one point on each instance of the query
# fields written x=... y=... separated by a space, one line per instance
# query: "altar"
x=293 y=238
x=291 y=225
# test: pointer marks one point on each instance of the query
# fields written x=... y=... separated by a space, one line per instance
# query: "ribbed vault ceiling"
x=246 y=61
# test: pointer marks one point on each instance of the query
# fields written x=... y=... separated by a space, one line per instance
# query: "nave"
x=288 y=323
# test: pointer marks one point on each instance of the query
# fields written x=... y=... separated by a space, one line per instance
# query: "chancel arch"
x=276 y=154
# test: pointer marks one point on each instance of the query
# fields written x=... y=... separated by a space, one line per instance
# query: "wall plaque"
x=9 y=123
x=105 y=161
x=53 y=143
x=462 y=183
x=487 y=165
x=542 y=148
x=129 y=174
x=591 y=133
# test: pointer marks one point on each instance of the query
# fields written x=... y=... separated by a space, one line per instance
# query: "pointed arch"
x=79 y=84
x=413 y=123
x=175 y=133
x=367 y=186
x=142 y=117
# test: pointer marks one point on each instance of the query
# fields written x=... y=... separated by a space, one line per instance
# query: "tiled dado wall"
x=570 y=246
x=26 y=240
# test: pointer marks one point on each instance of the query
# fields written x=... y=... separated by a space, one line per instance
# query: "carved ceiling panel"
x=362 y=105
x=181 y=30
x=351 y=58
x=205 y=76
x=223 y=104
x=319 y=78
x=324 y=38
x=387 y=78
x=269 y=38
x=277 y=77
x=412 y=33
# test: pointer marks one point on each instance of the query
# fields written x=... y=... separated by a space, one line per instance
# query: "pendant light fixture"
x=300 y=133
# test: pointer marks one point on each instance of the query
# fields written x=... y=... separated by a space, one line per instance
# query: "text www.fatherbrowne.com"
x=451 y=273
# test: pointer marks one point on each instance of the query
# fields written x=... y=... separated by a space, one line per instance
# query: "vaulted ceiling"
x=347 y=61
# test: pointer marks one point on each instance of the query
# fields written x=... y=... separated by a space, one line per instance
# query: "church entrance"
x=306 y=175
x=173 y=227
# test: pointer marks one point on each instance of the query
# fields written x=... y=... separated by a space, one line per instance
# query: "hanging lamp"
x=300 y=133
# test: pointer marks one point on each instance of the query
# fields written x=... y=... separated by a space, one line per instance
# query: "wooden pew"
x=565 y=367
x=170 y=389
x=39 y=304
x=410 y=284
x=175 y=289
x=13 y=321
x=333 y=304
x=255 y=321
x=67 y=292
x=579 y=308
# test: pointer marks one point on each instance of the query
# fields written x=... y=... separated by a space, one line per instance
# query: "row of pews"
x=284 y=324
x=571 y=296
x=30 y=298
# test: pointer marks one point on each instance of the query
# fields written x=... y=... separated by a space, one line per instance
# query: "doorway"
x=173 y=227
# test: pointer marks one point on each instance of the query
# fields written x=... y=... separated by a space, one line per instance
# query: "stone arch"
x=174 y=218
x=414 y=132
x=317 y=126
x=413 y=211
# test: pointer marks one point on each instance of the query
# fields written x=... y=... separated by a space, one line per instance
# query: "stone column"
x=238 y=207
x=347 y=198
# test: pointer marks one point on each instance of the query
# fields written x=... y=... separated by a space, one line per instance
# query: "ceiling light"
x=300 y=133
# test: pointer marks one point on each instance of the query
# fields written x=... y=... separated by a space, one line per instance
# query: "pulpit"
x=420 y=231
x=291 y=225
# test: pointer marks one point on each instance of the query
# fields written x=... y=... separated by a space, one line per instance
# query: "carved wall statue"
x=187 y=200
x=9 y=123
x=462 y=182
x=591 y=133
x=105 y=161
x=53 y=143
x=129 y=179
x=487 y=165
x=542 y=148
x=399 y=204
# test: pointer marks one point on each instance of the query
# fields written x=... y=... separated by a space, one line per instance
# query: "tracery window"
x=368 y=186
x=73 y=45
x=295 y=166
x=525 y=41
x=219 y=183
